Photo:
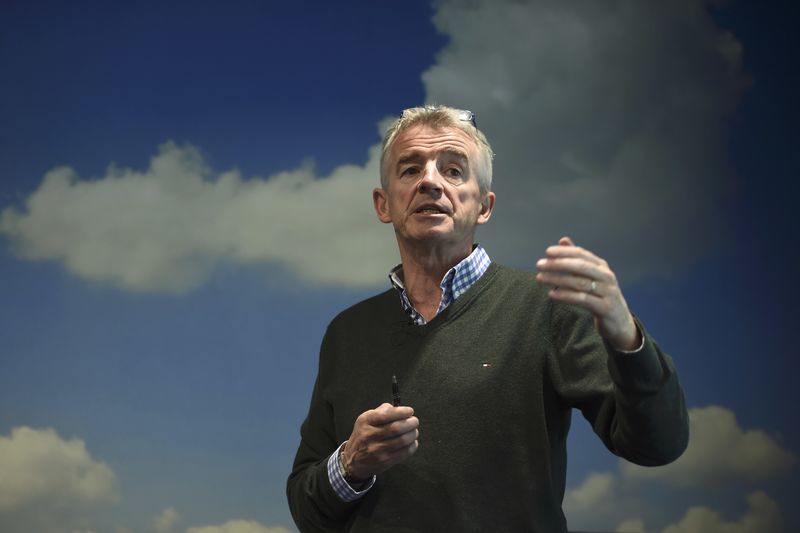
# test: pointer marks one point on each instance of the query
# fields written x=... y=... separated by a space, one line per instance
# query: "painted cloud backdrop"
x=185 y=203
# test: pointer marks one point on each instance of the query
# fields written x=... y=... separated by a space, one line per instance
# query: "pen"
x=395 y=392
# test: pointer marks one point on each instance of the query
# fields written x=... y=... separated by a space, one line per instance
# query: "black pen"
x=395 y=392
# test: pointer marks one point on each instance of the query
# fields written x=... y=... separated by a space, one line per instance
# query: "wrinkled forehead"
x=430 y=141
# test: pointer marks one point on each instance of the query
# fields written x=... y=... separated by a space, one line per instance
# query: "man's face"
x=432 y=192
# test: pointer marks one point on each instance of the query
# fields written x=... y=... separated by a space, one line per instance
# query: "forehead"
x=430 y=141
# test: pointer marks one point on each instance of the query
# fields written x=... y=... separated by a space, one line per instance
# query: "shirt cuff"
x=340 y=486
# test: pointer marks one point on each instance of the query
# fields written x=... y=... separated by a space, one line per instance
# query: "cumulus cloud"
x=239 y=526
x=763 y=516
x=166 y=227
x=633 y=525
x=594 y=493
x=721 y=458
x=50 y=483
x=606 y=118
x=166 y=520
x=719 y=451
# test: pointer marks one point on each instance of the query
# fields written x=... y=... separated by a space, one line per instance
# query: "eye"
x=454 y=173
x=409 y=171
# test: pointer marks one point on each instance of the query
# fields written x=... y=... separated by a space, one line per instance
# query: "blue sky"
x=185 y=204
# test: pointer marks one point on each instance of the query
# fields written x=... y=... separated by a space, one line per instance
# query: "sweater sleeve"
x=633 y=401
x=313 y=501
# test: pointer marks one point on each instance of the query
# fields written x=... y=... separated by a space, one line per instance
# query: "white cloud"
x=594 y=493
x=633 y=525
x=596 y=503
x=719 y=451
x=165 y=228
x=763 y=516
x=606 y=119
x=720 y=458
x=49 y=483
x=239 y=526
x=166 y=520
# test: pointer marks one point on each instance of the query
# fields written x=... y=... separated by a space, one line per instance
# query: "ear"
x=381 y=201
x=487 y=204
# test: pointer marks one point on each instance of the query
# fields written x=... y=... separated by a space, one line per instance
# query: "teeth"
x=430 y=210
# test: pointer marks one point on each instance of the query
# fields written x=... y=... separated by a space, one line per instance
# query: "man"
x=490 y=362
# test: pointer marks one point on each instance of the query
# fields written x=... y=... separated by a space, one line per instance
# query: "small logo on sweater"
x=487 y=365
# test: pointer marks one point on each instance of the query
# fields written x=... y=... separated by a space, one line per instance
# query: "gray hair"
x=438 y=117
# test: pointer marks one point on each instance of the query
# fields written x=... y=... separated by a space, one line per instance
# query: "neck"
x=424 y=266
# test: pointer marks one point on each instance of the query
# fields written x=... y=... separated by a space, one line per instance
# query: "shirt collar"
x=455 y=282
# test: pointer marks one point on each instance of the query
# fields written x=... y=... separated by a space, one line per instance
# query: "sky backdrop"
x=185 y=203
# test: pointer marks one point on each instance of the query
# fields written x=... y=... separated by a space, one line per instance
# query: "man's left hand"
x=581 y=278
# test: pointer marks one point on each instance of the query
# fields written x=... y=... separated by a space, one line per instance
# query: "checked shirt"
x=455 y=282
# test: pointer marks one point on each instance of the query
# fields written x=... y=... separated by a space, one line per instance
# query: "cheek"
x=397 y=204
x=466 y=198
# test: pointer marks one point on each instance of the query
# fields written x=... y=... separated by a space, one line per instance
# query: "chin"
x=432 y=234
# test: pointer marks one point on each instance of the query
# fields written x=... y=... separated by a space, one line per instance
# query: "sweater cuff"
x=641 y=336
x=641 y=370
x=340 y=486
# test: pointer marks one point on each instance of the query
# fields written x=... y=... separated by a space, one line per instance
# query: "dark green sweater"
x=492 y=379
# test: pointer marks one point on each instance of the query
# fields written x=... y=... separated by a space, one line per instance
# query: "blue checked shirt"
x=455 y=282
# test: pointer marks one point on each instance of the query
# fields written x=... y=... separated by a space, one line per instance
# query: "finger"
x=387 y=413
x=403 y=426
x=566 y=247
x=400 y=441
x=389 y=458
x=563 y=281
x=381 y=450
x=572 y=266
x=378 y=459
x=397 y=428
x=595 y=304
x=572 y=251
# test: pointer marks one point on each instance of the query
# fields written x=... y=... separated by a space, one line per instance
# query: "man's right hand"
x=381 y=438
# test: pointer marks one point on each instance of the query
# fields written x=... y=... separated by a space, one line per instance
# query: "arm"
x=633 y=400
x=313 y=502
x=380 y=438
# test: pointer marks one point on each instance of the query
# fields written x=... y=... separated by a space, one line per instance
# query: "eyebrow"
x=415 y=156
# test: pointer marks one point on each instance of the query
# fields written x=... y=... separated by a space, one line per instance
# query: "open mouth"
x=430 y=210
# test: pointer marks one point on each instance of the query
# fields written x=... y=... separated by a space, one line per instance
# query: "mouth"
x=431 y=209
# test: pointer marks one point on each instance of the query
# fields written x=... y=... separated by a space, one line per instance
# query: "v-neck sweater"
x=493 y=379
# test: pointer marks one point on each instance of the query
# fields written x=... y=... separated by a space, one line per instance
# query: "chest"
x=470 y=377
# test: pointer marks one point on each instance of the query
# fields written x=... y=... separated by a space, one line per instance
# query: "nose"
x=430 y=182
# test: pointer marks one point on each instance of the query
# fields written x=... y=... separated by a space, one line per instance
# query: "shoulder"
x=519 y=282
x=518 y=288
x=507 y=292
x=509 y=274
x=365 y=311
x=360 y=330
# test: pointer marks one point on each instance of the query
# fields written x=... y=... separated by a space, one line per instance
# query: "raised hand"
x=581 y=278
